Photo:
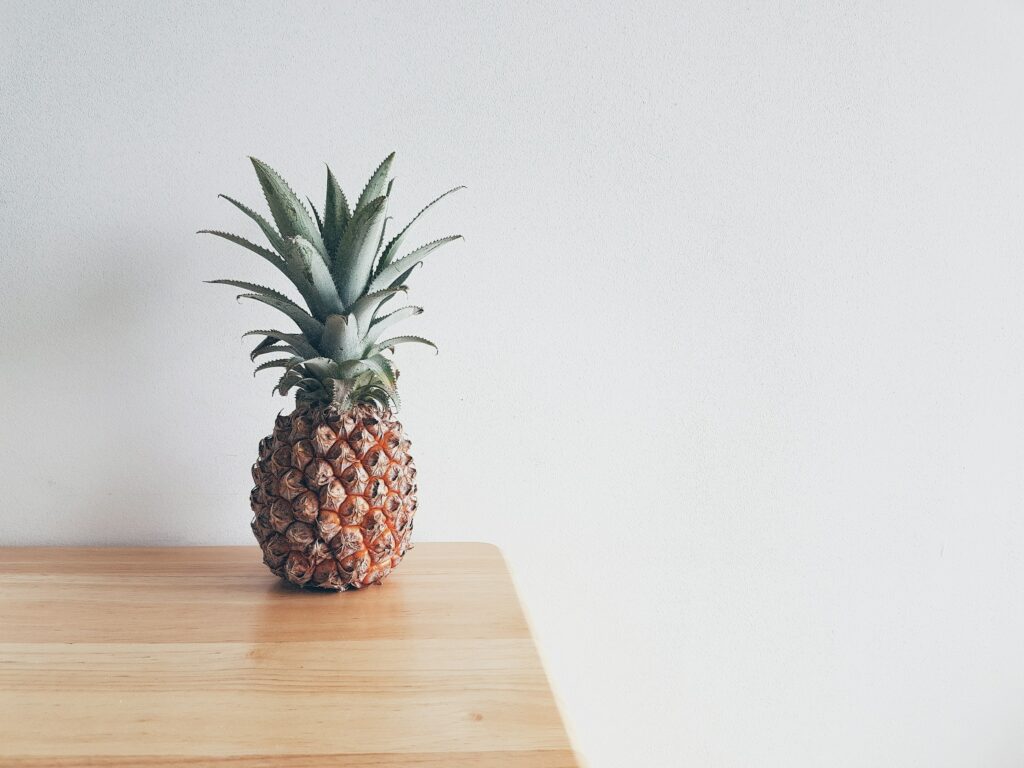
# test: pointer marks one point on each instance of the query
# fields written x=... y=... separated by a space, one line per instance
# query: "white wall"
x=731 y=359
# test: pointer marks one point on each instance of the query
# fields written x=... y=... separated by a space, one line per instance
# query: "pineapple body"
x=335 y=486
x=335 y=496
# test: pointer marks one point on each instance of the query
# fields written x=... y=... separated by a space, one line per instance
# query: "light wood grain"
x=198 y=656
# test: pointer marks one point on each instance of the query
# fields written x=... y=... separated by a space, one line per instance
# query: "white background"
x=731 y=360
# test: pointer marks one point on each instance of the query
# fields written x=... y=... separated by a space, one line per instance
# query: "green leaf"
x=316 y=215
x=383 y=230
x=396 y=242
x=380 y=371
x=303 y=258
x=357 y=250
x=396 y=401
x=393 y=317
x=389 y=369
x=341 y=392
x=272 y=348
x=375 y=396
x=336 y=215
x=350 y=340
x=341 y=337
x=289 y=213
x=252 y=288
x=334 y=330
x=310 y=384
x=348 y=369
x=294 y=273
x=266 y=253
x=284 y=362
x=286 y=382
x=324 y=367
x=276 y=241
x=380 y=240
x=262 y=348
x=401 y=281
x=396 y=340
x=378 y=183
x=395 y=272
x=310 y=326
x=366 y=307
x=380 y=394
x=297 y=341
x=382 y=323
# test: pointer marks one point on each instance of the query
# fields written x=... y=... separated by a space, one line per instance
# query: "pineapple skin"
x=334 y=496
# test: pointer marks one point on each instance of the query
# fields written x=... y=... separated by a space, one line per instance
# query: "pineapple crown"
x=346 y=273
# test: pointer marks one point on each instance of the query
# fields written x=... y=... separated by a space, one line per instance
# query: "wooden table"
x=199 y=656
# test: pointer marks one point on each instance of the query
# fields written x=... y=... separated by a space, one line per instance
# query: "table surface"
x=199 y=656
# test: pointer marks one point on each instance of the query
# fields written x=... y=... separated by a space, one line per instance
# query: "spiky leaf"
x=357 y=250
x=389 y=369
x=391 y=250
x=252 y=288
x=289 y=213
x=287 y=381
x=323 y=367
x=396 y=340
x=367 y=306
x=271 y=348
x=309 y=326
x=396 y=400
x=266 y=253
x=334 y=330
x=341 y=339
x=380 y=240
x=316 y=215
x=296 y=340
x=284 y=362
x=404 y=277
x=336 y=215
x=309 y=384
x=262 y=348
x=349 y=369
x=378 y=183
x=303 y=258
x=383 y=323
x=276 y=241
x=395 y=272
x=340 y=391
x=380 y=371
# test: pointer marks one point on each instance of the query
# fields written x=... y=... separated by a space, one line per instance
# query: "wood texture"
x=180 y=657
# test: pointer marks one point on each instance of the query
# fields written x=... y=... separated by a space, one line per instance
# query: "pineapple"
x=335 y=485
